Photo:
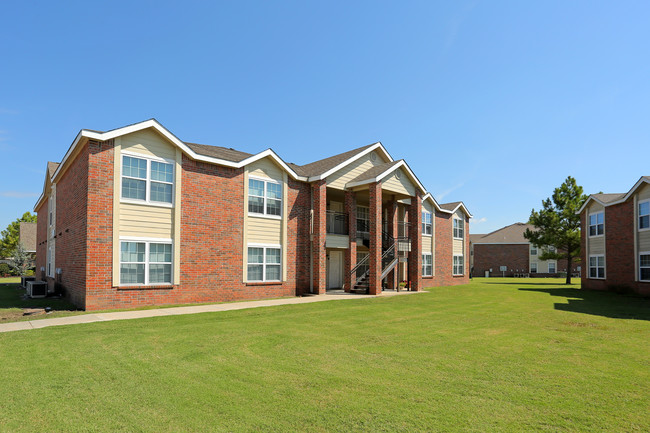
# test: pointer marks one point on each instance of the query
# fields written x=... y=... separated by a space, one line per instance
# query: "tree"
x=558 y=225
x=21 y=260
x=11 y=234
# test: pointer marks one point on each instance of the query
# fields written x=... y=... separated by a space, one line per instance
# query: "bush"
x=4 y=270
x=29 y=273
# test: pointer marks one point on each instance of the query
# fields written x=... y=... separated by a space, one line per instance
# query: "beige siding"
x=643 y=193
x=264 y=231
x=346 y=174
x=150 y=143
x=644 y=241
x=427 y=244
x=265 y=168
x=597 y=245
x=403 y=185
x=146 y=221
x=458 y=246
x=337 y=241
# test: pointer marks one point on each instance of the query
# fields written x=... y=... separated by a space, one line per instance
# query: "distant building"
x=507 y=247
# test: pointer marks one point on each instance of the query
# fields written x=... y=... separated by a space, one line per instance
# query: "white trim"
x=148 y=180
x=531 y=268
x=264 y=264
x=431 y=264
x=424 y=211
x=638 y=215
x=551 y=262
x=264 y=214
x=400 y=164
x=460 y=205
x=642 y=253
x=641 y=181
x=596 y=225
x=453 y=265
x=589 y=267
x=376 y=146
x=147 y=243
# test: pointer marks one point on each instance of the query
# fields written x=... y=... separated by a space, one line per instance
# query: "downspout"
x=311 y=241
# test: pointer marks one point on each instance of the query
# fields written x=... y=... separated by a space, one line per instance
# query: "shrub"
x=4 y=270
x=29 y=273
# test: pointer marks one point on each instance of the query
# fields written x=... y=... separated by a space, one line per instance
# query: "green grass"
x=13 y=301
x=493 y=356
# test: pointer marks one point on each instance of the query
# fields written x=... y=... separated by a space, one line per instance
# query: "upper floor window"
x=426 y=223
x=533 y=250
x=644 y=215
x=363 y=219
x=147 y=180
x=597 y=224
x=459 y=228
x=264 y=197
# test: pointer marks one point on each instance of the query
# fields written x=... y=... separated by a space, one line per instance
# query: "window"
x=363 y=219
x=597 y=224
x=459 y=225
x=147 y=180
x=551 y=249
x=49 y=262
x=264 y=197
x=596 y=266
x=264 y=263
x=427 y=265
x=644 y=215
x=533 y=268
x=533 y=250
x=426 y=223
x=459 y=265
x=551 y=267
x=644 y=267
x=145 y=263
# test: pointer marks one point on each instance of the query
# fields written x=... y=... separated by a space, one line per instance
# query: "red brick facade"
x=620 y=255
x=211 y=238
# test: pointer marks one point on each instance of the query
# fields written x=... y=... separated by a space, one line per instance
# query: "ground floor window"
x=427 y=265
x=459 y=265
x=551 y=268
x=533 y=268
x=264 y=263
x=644 y=266
x=145 y=262
x=596 y=266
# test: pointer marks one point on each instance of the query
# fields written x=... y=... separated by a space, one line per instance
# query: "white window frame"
x=455 y=265
x=533 y=250
x=149 y=159
x=533 y=265
x=642 y=215
x=427 y=215
x=589 y=225
x=50 y=262
x=589 y=267
x=459 y=228
x=265 y=198
x=367 y=220
x=430 y=265
x=147 y=262
x=643 y=253
x=548 y=267
x=264 y=264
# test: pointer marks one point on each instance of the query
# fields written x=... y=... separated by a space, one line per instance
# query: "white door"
x=335 y=270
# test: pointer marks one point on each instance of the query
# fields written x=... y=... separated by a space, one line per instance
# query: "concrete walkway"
x=174 y=311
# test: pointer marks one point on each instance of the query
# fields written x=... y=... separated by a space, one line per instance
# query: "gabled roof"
x=51 y=168
x=512 y=234
x=612 y=199
x=381 y=171
x=454 y=206
x=225 y=153
x=325 y=165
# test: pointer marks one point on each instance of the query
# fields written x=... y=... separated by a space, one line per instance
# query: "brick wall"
x=72 y=227
x=211 y=243
x=443 y=259
x=41 y=239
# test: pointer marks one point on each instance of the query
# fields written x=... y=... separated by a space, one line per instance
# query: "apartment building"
x=135 y=216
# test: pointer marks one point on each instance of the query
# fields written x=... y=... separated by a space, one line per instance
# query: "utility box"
x=36 y=289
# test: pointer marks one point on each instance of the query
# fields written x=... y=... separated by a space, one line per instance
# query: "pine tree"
x=557 y=224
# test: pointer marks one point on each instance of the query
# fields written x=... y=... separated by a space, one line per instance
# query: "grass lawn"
x=13 y=301
x=497 y=355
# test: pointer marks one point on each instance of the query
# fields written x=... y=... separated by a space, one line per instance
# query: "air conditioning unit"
x=24 y=280
x=36 y=289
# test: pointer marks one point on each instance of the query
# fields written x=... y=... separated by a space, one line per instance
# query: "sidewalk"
x=175 y=311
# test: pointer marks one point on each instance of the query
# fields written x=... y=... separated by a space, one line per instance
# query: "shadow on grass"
x=599 y=303
x=14 y=296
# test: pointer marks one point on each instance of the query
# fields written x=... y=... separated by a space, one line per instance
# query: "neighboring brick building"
x=135 y=216
x=616 y=240
x=508 y=247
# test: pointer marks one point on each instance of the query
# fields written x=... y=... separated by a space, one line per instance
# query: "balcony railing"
x=402 y=228
x=336 y=223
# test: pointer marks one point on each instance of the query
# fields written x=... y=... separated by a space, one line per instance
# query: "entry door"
x=335 y=270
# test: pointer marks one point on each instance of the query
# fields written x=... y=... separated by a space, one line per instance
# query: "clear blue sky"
x=492 y=103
